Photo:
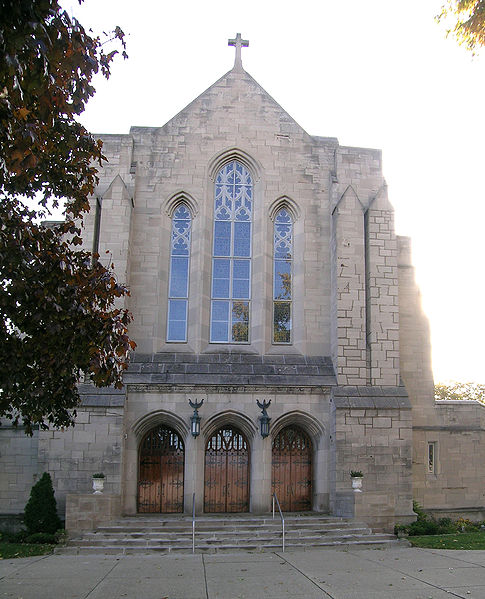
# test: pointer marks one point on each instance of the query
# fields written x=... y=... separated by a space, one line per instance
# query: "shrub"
x=418 y=510
x=61 y=536
x=446 y=526
x=41 y=538
x=465 y=525
x=40 y=513
x=423 y=527
x=13 y=537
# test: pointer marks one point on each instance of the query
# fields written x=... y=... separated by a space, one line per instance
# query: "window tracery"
x=282 y=276
x=178 y=294
x=231 y=262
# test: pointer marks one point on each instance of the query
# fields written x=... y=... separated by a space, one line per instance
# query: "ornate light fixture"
x=195 y=418
x=264 y=418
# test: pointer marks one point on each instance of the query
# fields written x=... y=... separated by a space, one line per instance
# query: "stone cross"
x=238 y=43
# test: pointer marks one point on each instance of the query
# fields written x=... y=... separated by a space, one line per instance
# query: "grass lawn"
x=10 y=550
x=462 y=540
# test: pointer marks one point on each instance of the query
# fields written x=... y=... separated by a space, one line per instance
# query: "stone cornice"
x=211 y=389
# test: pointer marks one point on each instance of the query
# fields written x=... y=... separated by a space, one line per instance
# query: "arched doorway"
x=292 y=454
x=161 y=472
x=226 y=486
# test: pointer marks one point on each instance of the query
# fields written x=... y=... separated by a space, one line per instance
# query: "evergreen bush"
x=40 y=513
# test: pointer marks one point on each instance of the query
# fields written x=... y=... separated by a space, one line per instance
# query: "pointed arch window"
x=282 y=276
x=178 y=291
x=231 y=255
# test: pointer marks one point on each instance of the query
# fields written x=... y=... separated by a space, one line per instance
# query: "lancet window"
x=282 y=277
x=178 y=294
x=231 y=261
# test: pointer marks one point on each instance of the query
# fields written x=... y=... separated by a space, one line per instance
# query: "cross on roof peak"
x=238 y=43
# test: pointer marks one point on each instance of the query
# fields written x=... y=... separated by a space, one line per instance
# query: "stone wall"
x=19 y=467
x=456 y=482
x=73 y=455
x=86 y=512
x=373 y=434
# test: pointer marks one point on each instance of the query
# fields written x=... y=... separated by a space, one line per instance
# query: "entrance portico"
x=229 y=467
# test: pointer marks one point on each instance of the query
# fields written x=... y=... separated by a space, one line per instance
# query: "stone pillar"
x=348 y=291
x=382 y=292
x=260 y=468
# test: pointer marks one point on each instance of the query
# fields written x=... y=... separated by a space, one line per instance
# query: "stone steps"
x=153 y=533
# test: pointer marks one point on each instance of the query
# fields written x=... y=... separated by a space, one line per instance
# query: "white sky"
x=373 y=73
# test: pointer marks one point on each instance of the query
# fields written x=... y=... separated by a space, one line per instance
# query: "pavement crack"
x=327 y=594
x=118 y=561
x=205 y=578
x=434 y=586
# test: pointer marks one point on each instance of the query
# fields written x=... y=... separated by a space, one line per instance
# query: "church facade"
x=280 y=338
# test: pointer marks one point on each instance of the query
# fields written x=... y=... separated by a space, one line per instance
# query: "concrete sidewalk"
x=397 y=573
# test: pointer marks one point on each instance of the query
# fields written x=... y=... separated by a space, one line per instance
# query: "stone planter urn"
x=356 y=477
x=98 y=483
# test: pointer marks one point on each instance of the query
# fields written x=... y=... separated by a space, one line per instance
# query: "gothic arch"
x=288 y=204
x=222 y=158
x=305 y=421
x=229 y=418
x=181 y=197
x=144 y=424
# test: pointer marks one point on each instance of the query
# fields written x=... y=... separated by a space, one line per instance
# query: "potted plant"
x=98 y=483
x=356 y=476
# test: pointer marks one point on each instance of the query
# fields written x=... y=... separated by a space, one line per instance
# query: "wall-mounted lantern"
x=264 y=418
x=195 y=418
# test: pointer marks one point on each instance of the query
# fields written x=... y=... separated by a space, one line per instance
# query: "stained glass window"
x=282 y=267
x=178 y=292
x=231 y=262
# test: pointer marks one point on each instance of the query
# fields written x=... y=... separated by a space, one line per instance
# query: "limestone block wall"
x=19 y=469
x=373 y=433
x=73 y=455
x=85 y=512
x=455 y=485
x=382 y=292
x=349 y=295
x=361 y=168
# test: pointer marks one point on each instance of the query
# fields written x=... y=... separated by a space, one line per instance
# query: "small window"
x=178 y=291
x=432 y=457
x=282 y=277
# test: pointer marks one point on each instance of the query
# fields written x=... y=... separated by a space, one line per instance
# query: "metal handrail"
x=193 y=522
x=275 y=499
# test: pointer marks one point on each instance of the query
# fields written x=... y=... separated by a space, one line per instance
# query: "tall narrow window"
x=231 y=262
x=432 y=457
x=178 y=292
x=97 y=225
x=282 y=259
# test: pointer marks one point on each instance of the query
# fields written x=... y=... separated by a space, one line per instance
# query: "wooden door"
x=292 y=469
x=226 y=486
x=161 y=472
